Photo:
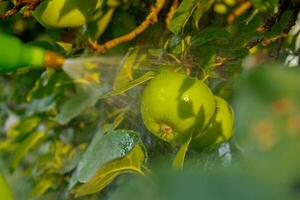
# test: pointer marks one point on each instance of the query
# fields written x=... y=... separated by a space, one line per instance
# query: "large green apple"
x=174 y=106
x=55 y=14
x=221 y=127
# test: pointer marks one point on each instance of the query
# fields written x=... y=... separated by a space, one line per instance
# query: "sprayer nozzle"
x=53 y=60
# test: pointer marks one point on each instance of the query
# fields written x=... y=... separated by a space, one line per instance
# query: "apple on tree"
x=220 y=129
x=174 y=106
x=54 y=14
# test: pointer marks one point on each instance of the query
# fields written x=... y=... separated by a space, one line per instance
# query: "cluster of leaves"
x=71 y=133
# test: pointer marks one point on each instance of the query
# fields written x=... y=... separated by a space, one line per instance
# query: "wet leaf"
x=103 y=149
x=132 y=162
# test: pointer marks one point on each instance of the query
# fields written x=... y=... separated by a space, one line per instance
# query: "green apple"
x=221 y=127
x=55 y=14
x=175 y=106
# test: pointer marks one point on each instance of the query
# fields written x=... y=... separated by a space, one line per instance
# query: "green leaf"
x=5 y=191
x=131 y=84
x=103 y=149
x=98 y=26
x=182 y=15
x=202 y=6
x=42 y=186
x=107 y=173
x=25 y=147
x=265 y=5
x=77 y=104
x=126 y=72
x=26 y=125
x=42 y=105
x=180 y=156
x=67 y=46
x=209 y=35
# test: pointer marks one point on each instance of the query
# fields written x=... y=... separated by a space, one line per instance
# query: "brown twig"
x=283 y=6
x=266 y=41
x=150 y=19
x=11 y=12
x=29 y=4
x=289 y=26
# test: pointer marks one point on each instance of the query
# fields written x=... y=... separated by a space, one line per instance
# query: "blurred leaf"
x=43 y=44
x=77 y=104
x=265 y=5
x=25 y=147
x=268 y=131
x=26 y=125
x=98 y=25
x=123 y=23
x=5 y=192
x=42 y=186
x=48 y=84
x=103 y=149
x=180 y=156
x=42 y=105
x=132 y=162
x=270 y=96
x=63 y=39
x=67 y=46
x=66 y=157
x=126 y=72
x=131 y=84
x=202 y=7
x=213 y=184
x=182 y=15
x=208 y=35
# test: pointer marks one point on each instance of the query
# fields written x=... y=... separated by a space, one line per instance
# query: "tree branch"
x=29 y=4
x=150 y=19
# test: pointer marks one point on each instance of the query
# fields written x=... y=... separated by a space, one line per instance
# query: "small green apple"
x=55 y=14
x=221 y=127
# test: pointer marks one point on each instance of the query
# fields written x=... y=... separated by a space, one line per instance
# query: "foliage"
x=77 y=133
